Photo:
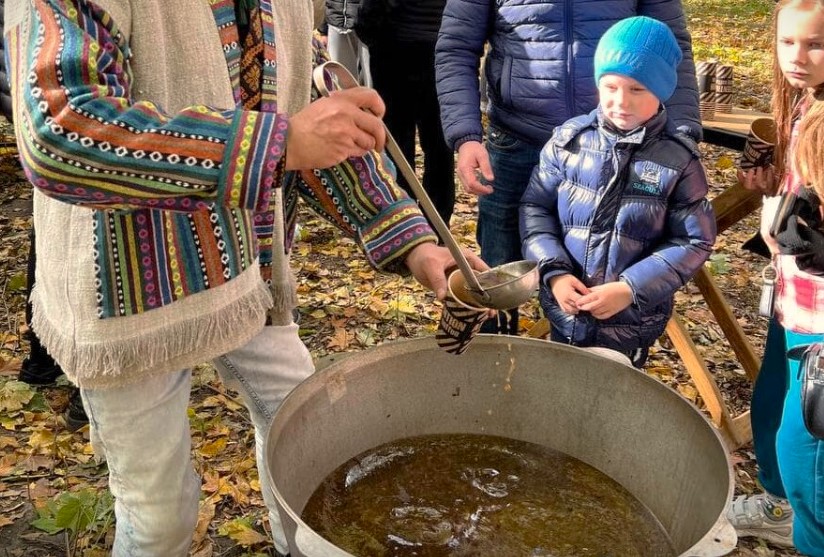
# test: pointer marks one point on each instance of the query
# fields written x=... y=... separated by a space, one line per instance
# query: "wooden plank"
x=701 y=376
x=741 y=430
x=733 y=204
x=737 y=431
x=730 y=130
x=728 y=323
x=737 y=122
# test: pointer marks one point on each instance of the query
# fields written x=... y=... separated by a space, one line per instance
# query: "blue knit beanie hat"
x=641 y=48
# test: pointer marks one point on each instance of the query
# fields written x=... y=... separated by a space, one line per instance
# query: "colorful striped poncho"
x=153 y=189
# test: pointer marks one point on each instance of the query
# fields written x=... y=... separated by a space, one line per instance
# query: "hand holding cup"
x=759 y=146
x=461 y=319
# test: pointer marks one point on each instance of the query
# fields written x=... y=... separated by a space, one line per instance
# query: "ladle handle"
x=347 y=80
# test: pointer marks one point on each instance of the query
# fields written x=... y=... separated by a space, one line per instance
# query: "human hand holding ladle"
x=504 y=287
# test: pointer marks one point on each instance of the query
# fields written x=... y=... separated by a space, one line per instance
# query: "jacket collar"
x=651 y=128
x=656 y=126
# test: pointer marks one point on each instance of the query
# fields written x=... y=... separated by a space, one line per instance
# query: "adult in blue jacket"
x=539 y=74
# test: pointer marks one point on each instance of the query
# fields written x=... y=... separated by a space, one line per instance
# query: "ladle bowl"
x=506 y=286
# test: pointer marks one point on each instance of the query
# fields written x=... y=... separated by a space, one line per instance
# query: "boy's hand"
x=606 y=300
x=567 y=290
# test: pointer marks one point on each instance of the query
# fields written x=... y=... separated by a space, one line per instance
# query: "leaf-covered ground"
x=53 y=496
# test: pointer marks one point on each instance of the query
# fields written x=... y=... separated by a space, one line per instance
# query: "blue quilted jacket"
x=606 y=207
x=539 y=67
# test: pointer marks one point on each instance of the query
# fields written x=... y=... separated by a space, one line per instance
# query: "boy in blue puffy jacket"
x=616 y=210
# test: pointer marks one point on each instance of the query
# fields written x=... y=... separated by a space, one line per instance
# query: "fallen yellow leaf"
x=318 y=314
x=339 y=339
x=41 y=438
x=204 y=516
x=242 y=533
x=214 y=448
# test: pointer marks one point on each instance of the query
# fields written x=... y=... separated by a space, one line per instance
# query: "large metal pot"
x=607 y=414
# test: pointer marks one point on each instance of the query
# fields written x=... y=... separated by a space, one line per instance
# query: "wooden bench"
x=732 y=205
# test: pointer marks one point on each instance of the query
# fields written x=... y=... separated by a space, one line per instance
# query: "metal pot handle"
x=719 y=541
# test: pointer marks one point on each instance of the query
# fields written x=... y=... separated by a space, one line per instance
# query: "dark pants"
x=38 y=354
x=403 y=73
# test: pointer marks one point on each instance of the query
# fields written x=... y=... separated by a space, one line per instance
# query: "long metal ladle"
x=346 y=80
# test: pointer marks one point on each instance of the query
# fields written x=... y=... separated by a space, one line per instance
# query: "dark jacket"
x=606 y=207
x=342 y=13
x=539 y=67
x=5 y=88
x=403 y=21
x=418 y=20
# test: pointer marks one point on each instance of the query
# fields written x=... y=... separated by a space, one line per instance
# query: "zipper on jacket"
x=616 y=188
x=618 y=179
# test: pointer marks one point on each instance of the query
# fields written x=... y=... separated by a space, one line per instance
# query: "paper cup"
x=707 y=110
x=723 y=88
x=705 y=74
x=723 y=103
x=461 y=319
x=760 y=144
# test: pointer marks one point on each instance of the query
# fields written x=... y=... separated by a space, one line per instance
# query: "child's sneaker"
x=763 y=516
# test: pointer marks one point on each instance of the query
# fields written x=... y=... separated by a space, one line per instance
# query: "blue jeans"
x=142 y=430
x=790 y=460
x=512 y=161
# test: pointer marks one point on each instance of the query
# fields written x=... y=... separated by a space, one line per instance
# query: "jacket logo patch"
x=649 y=181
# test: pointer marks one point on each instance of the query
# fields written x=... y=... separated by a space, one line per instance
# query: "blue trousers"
x=790 y=460
x=512 y=161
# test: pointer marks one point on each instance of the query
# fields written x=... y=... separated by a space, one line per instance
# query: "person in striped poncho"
x=167 y=143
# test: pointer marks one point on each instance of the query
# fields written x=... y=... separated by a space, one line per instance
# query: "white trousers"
x=142 y=430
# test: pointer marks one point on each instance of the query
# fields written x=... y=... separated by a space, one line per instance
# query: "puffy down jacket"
x=539 y=66
x=606 y=207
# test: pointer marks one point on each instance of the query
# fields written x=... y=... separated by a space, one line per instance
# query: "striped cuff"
x=252 y=159
x=394 y=232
